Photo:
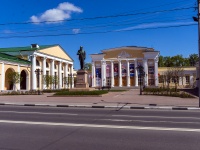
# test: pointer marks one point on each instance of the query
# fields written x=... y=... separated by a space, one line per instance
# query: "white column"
x=136 y=73
x=112 y=74
x=156 y=70
x=33 y=74
x=93 y=74
x=59 y=75
x=18 y=84
x=191 y=80
x=128 y=73
x=103 y=73
x=52 y=72
x=66 y=75
x=120 y=73
x=2 y=76
x=146 y=72
x=43 y=71
x=71 y=71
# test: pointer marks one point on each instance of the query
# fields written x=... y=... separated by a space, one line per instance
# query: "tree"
x=161 y=61
x=47 y=80
x=14 y=78
x=193 y=58
x=177 y=60
x=88 y=66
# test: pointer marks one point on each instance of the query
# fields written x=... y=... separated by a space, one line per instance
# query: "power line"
x=67 y=34
x=99 y=17
x=98 y=26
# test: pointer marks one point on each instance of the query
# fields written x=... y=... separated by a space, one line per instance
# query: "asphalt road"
x=52 y=128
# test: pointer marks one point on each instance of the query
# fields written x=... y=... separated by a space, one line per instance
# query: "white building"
x=117 y=67
x=49 y=59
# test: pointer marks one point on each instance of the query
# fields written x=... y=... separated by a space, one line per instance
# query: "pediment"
x=56 y=51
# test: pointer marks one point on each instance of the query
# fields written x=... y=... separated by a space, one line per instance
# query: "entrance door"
x=124 y=82
x=116 y=81
x=23 y=80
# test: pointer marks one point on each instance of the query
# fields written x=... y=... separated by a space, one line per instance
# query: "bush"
x=54 y=90
x=166 y=92
x=81 y=92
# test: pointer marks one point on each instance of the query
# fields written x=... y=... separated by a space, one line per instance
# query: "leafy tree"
x=161 y=61
x=193 y=58
x=14 y=78
x=49 y=80
x=177 y=60
x=88 y=66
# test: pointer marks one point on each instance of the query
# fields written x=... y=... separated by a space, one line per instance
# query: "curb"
x=116 y=107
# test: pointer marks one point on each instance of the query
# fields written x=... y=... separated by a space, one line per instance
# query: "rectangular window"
x=187 y=79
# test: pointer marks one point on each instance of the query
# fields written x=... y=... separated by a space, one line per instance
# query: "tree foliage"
x=177 y=61
x=13 y=78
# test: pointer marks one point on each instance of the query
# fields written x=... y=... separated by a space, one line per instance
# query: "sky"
x=167 y=26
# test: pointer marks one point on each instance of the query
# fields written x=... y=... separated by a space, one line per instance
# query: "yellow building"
x=117 y=67
x=186 y=78
x=48 y=60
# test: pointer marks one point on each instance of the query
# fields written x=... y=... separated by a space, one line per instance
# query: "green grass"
x=81 y=93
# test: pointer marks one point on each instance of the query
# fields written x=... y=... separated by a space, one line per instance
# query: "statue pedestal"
x=82 y=79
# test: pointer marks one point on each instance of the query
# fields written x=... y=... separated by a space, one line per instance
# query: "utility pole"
x=197 y=19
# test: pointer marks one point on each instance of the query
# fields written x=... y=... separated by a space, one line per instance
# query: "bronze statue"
x=82 y=56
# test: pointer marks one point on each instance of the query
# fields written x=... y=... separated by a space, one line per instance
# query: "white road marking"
x=121 y=120
x=160 y=117
x=101 y=126
x=39 y=113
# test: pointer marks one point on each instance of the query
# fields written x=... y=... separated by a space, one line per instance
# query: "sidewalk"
x=129 y=99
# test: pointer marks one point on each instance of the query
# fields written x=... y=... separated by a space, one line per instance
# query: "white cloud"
x=58 y=14
x=76 y=31
x=7 y=31
x=155 y=25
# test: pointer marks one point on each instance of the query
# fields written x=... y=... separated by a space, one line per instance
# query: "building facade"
x=47 y=60
x=117 y=67
x=187 y=78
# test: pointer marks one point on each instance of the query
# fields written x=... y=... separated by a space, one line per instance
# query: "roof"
x=26 y=48
x=11 y=58
x=130 y=47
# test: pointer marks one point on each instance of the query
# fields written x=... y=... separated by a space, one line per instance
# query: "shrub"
x=81 y=92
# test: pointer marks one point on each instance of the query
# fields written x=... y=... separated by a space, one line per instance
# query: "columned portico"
x=119 y=66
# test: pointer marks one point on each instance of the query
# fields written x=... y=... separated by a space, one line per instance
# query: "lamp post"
x=197 y=19
x=141 y=72
x=38 y=73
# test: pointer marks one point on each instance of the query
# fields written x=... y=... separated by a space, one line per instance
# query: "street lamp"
x=38 y=72
x=197 y=19
x=141 y=74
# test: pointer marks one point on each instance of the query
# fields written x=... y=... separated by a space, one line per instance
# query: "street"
x=50 y=128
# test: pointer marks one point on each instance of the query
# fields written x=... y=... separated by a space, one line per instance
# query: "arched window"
x=37 y=63
x=47 y=65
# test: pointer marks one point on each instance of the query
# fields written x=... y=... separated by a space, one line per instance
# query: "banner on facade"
x=108 y=70
x=132 y=70
x=116 y=72
x=124 y=65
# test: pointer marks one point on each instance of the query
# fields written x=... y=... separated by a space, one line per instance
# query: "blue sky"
x=100 y=24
